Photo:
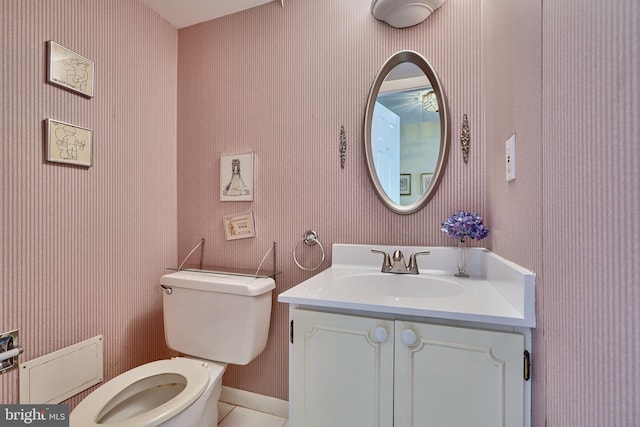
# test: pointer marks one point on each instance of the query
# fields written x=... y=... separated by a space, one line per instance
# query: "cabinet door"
x=342 y=371
x=457 y=377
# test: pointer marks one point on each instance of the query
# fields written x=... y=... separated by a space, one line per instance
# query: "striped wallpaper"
x=285 y=88
x=280 y=82
x=82 y=249
x=512 y=82
x=590 y=201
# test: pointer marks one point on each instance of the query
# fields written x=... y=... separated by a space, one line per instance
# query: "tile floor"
x=237 y=416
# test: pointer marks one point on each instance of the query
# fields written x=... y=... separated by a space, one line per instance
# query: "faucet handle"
x=386 y=262
x=413 y=263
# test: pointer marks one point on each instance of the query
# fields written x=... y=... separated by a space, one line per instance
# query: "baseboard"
x=258 y=402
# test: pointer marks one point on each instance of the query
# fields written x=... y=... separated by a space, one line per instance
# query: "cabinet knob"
x=380 y=335
x=409 y=338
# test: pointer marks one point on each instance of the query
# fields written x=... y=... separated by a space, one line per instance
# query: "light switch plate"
x=510 y=158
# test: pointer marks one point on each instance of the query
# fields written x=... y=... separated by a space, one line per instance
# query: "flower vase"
x=463 y=259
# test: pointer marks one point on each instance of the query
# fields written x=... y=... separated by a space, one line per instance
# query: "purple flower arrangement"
x=465 y=224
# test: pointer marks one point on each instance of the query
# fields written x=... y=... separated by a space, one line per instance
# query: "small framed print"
x=236 y=177
x=426 y=180
x=405 y=184
x=67 y=143
x=239 y=226
x=70 y=70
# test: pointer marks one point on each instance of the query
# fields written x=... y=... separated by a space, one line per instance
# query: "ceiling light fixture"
x=404 y=13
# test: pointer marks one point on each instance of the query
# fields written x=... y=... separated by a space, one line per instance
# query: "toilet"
x=212 y=319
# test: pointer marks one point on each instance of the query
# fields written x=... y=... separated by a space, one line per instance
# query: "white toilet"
x=215 y=319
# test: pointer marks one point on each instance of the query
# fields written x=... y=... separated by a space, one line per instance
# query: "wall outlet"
x=510 y=158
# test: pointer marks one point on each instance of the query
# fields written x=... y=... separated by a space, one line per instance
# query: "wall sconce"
x=404 y=13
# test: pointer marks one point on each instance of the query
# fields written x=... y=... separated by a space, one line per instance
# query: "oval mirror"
x=406 y=132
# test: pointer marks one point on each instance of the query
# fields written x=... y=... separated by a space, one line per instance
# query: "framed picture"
x=67 y=143
x=426 y=180
x=70 y=70
x=240 y=226
x=236 y=177
x=405 y=184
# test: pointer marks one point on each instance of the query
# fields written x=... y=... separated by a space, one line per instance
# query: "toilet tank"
x=219 y=317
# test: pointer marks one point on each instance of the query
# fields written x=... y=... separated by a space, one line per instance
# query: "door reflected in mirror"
x=406 y=132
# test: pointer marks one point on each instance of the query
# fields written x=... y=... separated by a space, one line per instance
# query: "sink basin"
x=399 y=285
x=497 y=291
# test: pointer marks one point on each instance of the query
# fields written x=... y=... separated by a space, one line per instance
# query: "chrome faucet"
x=399 y=266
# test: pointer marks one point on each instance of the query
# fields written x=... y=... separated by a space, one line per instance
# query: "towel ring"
x=310 y=238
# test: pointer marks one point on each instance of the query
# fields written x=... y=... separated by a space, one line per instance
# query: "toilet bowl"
x=163 y=393
x=211 y=318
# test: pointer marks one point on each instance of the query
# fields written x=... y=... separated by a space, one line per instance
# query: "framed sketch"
x=426 y=180
x=70 y=70
x=240 y=226
x=405 y=184
x=67 y=143
x=236 y=177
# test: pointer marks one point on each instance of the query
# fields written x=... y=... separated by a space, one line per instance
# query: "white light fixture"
x=404 y=13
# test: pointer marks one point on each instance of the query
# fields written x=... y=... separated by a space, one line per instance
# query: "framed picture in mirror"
x=405 y=184
x=426 y=178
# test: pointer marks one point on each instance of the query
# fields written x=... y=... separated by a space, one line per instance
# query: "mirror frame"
x=418 y=60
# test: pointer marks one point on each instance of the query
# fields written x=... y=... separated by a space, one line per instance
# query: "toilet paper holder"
x=9 y=351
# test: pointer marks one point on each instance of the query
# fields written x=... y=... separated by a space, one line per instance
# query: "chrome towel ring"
x=310 y=238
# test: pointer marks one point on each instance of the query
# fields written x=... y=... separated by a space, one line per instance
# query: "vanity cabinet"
x=355 y=371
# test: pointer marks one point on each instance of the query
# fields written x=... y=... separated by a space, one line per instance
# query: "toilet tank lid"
x=216 y=282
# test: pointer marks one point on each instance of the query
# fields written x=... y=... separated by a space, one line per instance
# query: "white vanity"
x=399 y=350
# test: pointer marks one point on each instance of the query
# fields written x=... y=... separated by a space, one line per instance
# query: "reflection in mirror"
x=406 y=132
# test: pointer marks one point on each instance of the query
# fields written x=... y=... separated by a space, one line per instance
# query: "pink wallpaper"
x=82 y=248
x=569 y=92
x=590 y=202
x=280 y=82
x=512 y=54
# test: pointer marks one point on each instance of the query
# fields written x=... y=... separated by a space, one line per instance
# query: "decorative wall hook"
x=343 y=147
x=465 y=139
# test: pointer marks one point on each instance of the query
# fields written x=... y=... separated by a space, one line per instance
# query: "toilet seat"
x=194 y=373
